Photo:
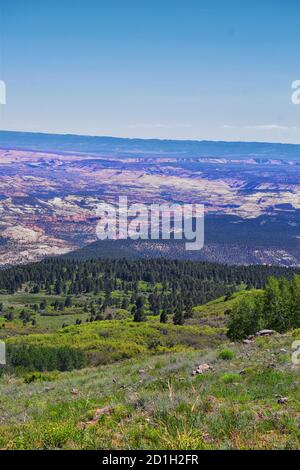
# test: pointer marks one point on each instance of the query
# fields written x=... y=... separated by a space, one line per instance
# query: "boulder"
x=201 y=369
x=265 y=333
x=98 y=413
x=247 y=341
x=282 y=400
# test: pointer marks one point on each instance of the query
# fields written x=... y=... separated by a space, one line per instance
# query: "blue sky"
x=190 y=69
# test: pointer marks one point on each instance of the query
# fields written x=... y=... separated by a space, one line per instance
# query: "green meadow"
x=136 y=389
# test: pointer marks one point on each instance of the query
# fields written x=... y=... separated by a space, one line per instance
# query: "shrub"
x=277 y=309
x=40 y=358
x=40 y=377
x=226 y=355
x=296 y=333
x=230 y=378
x=246 y=318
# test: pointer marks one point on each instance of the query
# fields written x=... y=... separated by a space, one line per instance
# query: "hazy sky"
x=182 y=69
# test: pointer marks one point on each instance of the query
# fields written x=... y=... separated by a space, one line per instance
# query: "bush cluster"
x=29 y=357
x=278 y=308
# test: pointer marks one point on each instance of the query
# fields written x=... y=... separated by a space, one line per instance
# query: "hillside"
x=109 y=341
x=135 y=354
x=248 y=399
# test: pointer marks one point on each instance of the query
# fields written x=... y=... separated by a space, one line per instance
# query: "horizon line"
x=145 y=139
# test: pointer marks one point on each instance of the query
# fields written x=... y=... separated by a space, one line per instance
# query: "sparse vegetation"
x=156 y=404
x=91 y=351
x=226 y=354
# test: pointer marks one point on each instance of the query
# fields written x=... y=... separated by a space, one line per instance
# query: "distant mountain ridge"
x=153 y=147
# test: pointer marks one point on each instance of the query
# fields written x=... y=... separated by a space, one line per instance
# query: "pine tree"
x=178 y=318
x=138 y=314
x=43 y=305
x=68 y=301
x=163 y=317
x=58 y=287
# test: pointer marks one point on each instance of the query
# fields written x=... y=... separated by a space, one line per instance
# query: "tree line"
x=277 y=308
x=176 y=286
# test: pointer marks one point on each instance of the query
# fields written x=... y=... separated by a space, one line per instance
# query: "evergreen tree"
x=68 y=301
x=43 y=305
x=58 y=287
x=139 y=315
x=163 y=317
x=178 y=318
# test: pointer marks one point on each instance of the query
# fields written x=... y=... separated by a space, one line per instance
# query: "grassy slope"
x=112 y=340
x=44 y=324
x=155 y=402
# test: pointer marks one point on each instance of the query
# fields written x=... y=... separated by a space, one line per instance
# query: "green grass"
x=110 y=341
x=22 y=298
x=219 y=306
x=226 y=354
x=52 y=320
x=155 y=403
x=143 y=372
